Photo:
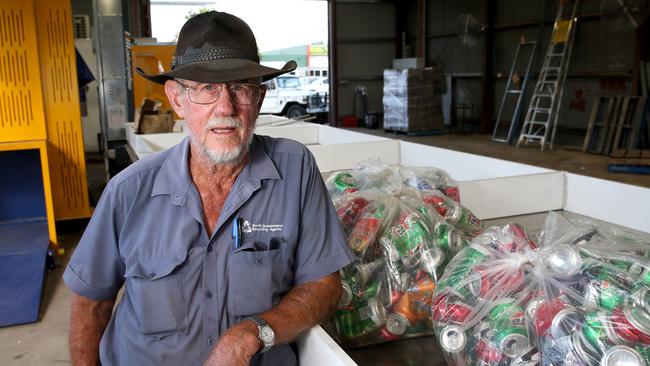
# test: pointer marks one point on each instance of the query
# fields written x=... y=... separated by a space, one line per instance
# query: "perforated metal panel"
x=21 y=101
x=54 y=27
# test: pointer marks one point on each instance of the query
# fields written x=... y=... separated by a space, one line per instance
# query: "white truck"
x=286 y=96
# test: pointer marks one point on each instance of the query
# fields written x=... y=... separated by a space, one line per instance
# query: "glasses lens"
x=240 y=93
x=245 y=94
x=205 y=93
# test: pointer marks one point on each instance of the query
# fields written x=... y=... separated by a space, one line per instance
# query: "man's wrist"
x=250 y=337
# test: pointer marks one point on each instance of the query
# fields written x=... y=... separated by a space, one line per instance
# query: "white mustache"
x=223 y=122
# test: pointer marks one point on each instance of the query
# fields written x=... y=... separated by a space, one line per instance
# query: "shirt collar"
x=174 y=177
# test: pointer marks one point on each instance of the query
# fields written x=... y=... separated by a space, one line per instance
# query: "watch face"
x=266 y=335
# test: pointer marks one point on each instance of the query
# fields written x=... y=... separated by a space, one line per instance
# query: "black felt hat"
x=217 y=47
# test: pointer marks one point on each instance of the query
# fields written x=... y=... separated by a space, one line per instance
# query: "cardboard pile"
x=413 y=99
x=151 y=118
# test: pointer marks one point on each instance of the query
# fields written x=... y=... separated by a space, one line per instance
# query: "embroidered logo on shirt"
x=248 y=228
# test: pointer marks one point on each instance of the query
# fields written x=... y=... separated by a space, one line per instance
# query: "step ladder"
x=515 y=91
x=543 y=111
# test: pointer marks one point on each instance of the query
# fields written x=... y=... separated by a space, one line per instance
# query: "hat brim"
x=220 y=71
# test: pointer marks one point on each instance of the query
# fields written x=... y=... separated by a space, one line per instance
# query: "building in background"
x=312 y=59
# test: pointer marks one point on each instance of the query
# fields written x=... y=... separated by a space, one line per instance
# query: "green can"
x=345 y=183
x=354 y=323
x=408 y=235
x=441 y=236
x=644 y=352
x=456 y=286
x=641 y=273
x=594 y=331
x=604 y=294
x=371 y=291
x=503 y=311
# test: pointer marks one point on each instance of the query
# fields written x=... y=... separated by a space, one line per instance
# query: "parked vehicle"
x=286 y=95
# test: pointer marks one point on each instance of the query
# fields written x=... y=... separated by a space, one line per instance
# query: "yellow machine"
x=39 y=101
x=151 y=58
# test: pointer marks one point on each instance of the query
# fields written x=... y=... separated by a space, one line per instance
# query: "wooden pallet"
x=599 y=129
x=619 y=126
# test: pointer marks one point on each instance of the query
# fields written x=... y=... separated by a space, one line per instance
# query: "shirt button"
x=210 y=340
x=258 y=261
x=209 y=248
x=152 y=274
x=208 y=294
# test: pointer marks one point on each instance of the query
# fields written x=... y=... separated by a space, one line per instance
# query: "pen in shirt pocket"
x=236 y=233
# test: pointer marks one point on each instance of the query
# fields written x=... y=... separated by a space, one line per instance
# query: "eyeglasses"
x=240 y=93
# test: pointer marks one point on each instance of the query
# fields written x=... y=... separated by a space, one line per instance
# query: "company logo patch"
x=248 y=228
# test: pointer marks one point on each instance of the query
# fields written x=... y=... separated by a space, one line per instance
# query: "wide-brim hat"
x=217 y=47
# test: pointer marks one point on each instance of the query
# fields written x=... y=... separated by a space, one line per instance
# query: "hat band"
x=198 y=55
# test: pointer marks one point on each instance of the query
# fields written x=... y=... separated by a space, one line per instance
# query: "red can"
x=363 y=233
x=626 y=330
x=386 y=335
x=488 y=353
x=452 y=192
x=545 y=314
x=445 y=311
x=349 y=212
x=493 y=283
x=438 y=202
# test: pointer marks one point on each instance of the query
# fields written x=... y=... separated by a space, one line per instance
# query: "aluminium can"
x=346 y=296
x=453 y=339
x=622 y=355
x=565 y=322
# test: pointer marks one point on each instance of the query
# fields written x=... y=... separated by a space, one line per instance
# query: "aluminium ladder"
x=547 y=96
x=519 y=93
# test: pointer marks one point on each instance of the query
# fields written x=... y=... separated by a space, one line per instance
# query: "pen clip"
x=236 y=233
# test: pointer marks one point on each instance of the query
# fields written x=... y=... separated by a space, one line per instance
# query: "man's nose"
x=224 y=105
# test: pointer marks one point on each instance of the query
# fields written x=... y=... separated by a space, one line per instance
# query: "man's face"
x=220 y=131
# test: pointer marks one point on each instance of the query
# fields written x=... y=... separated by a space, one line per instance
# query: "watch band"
x=262 y=325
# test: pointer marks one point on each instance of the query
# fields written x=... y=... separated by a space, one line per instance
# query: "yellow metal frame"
x=149 y=58
x=21 y=100
x=561 y=31
x=62 y=111
x=41 y=146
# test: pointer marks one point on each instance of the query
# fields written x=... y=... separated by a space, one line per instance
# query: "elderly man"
x=227 y=243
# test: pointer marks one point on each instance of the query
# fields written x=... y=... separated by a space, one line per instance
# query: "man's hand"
x=301 y=308
x=236 y=346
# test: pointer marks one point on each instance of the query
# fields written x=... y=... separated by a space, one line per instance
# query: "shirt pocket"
x=156 y=290
x=255 y=277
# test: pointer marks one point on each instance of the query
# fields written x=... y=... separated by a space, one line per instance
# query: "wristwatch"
x=266 y=334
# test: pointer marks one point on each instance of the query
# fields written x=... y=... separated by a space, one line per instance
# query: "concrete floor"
x=46 y=342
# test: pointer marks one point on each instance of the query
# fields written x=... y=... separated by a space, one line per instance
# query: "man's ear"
x=174 y=94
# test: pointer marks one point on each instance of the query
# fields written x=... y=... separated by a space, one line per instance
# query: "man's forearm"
x=88 y=319
x=303 y=307
x=300 y=309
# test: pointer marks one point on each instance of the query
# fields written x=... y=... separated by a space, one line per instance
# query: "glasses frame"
x=189 y=89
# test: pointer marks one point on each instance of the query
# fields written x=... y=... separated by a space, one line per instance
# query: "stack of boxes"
x=413 y=99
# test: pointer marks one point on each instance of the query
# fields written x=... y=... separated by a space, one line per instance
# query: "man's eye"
x=208 y=87
x=236 y=88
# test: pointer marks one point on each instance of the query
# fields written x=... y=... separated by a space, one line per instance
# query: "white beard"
x=218 y=156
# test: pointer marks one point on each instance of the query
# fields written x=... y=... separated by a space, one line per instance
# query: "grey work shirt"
x=183 y=288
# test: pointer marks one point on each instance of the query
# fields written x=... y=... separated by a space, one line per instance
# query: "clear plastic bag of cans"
x=373 y=174
x=402 y=245
x=576 y=298
x=430 y=179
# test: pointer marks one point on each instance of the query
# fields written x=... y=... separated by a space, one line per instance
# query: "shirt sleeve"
x=96 y=270
x=322 y=247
